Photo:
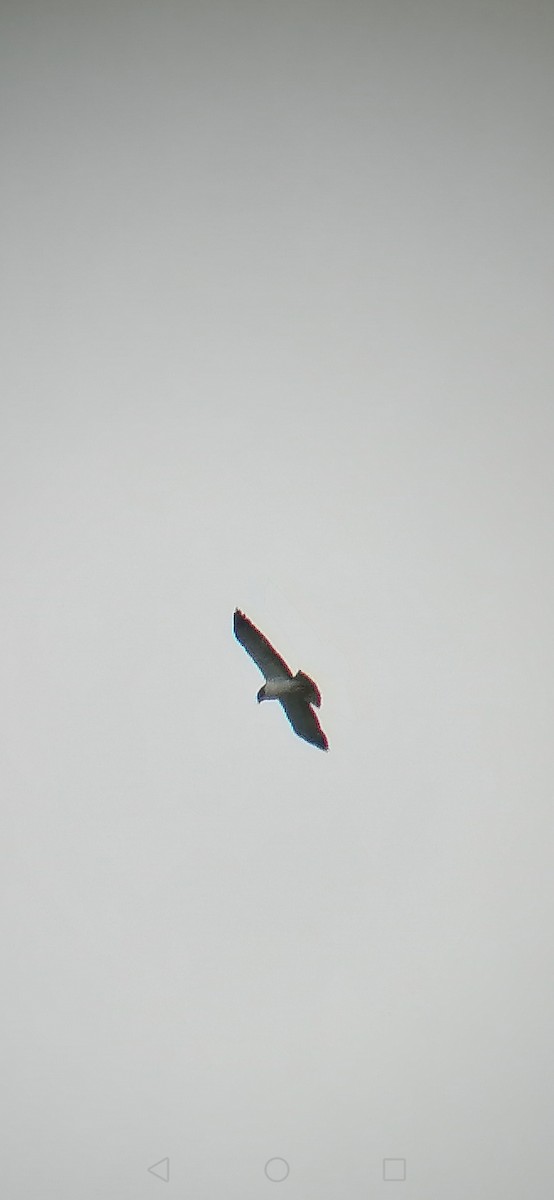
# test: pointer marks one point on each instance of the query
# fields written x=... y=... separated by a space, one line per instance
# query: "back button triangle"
x=160 y=1169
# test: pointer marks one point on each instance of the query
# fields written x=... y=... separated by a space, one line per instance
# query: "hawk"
x=296 y=693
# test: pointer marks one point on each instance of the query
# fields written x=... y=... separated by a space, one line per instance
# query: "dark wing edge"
x=257 y=646
x=304 y=721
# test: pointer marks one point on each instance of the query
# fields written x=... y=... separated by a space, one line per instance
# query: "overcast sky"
x=277 y=333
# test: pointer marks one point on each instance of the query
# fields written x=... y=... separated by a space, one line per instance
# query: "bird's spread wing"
x=257 y=646
x=304 y=721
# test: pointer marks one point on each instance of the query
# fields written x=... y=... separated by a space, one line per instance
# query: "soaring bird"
x=296 y=693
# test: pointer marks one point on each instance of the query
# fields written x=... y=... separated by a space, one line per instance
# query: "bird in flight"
x=296 y=693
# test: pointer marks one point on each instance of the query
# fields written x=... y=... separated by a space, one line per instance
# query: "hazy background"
x=277 y=334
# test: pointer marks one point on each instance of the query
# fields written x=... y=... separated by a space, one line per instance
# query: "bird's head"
x=261 y=695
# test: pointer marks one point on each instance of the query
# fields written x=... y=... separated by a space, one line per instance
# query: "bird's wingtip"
x=240 y=620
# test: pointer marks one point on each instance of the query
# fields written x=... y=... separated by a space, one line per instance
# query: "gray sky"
x=277 y=334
